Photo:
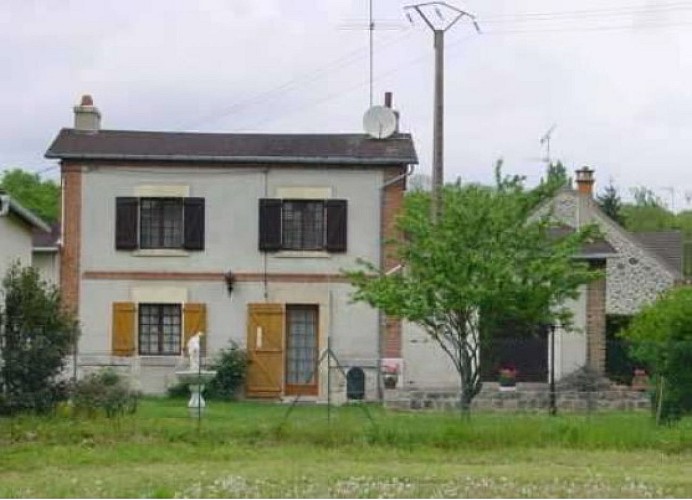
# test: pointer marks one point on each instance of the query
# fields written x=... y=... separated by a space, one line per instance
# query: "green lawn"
x=244 y=450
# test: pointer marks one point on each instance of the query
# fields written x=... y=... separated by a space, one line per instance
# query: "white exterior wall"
x=426 y=365
x=231 y=243
x=15 y=243
x=570 y=343
x=48 y=265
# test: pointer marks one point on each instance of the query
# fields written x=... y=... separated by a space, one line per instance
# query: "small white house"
x=17 y=226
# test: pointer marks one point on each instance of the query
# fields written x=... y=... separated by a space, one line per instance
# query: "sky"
x=614 y=78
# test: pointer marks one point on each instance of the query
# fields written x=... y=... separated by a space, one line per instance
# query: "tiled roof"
x=666 y=244
x=43 y=239
x=351 y=149
x=599 y=248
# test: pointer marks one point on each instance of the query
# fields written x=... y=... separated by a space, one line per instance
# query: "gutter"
x=317 y=160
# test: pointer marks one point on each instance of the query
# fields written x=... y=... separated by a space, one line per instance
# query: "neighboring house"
x=17 y=224
x=638 y=267
x=46 y=253
x=241 y=236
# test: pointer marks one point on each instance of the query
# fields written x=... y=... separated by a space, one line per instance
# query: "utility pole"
x=438 y=26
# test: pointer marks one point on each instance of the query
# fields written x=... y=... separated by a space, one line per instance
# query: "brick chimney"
x=388 y=104
x=87 y=117
x=585 y=181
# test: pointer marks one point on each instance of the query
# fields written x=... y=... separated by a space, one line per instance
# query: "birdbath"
x=196 y=380
x=194 y=377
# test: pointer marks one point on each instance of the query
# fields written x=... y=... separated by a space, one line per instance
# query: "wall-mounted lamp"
x=229 y=278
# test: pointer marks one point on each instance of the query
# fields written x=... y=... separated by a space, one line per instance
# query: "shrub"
x=230 y=365
x=37 y=335
x=661 y=337
x=104 y=392
x=584 y=379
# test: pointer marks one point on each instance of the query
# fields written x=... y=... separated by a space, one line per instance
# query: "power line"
x=309 y=78
x=537 y=17
x=578 y=14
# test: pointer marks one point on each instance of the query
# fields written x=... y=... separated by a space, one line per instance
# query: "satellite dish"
x=379 y=122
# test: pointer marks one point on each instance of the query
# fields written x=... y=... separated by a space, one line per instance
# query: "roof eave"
x=28 y=216
x=314 y=160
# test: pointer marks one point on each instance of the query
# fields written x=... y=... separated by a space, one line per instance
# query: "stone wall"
x=529 y=399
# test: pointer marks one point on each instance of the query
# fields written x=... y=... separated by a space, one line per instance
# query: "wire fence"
x=528 y=374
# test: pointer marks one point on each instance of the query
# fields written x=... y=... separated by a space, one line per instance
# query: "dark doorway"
x=526 y=352
x=355 y=384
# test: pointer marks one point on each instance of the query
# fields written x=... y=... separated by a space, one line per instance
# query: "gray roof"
x=23 y=213
x=596 y=249
x=668 y=245
x=346 y=149
x=46 y=241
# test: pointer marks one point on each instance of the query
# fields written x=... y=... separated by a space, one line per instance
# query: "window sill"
x=160 y=252
x=164 y=360
x=303 y=254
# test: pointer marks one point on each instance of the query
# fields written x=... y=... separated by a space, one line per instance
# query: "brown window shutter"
x=123 y=334
x=195 y=320
x=126 y=223
x=269 y=224
x=193 y=210
x=337 y=225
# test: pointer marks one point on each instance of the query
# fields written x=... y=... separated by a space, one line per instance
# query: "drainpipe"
x=380 y=315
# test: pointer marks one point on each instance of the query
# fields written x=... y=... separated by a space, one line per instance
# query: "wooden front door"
x=265 y=348
x=301 y=349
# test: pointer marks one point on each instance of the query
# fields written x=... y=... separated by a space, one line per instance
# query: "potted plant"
x=640 y=381
x=508 y=378
x=390 y=372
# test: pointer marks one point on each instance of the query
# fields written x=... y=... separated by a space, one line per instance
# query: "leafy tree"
x=40 y=196
x=645 y=197
x=556 y=176
x=37 y=334
x=661 y=337
x=485 y=254
x=611 y=204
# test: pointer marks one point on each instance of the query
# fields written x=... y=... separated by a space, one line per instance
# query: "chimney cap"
x=585 y=180
x=87 y=100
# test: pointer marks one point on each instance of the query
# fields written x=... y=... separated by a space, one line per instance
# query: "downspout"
x=380 y=314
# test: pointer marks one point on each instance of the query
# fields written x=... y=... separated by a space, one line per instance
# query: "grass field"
x=248 y=450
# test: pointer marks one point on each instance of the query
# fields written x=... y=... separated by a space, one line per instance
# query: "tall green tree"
x=661 y=337
x=611 y=203
x=40 y=196
x=485 y=253
x=37 y=334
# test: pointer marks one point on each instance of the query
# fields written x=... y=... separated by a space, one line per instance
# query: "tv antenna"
x=545 y=141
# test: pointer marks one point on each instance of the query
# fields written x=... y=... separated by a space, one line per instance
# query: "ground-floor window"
x=301 y=344
x=160 y=329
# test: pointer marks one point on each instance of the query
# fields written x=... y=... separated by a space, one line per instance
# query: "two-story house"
x=240 y=236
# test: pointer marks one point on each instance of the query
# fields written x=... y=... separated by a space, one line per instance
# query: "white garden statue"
x=193 y=348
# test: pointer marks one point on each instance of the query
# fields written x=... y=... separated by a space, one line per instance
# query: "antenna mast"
x=545 y=140
x=371 y=28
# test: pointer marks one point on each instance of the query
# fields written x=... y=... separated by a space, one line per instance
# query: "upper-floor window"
x=161 y=223
x=164 y=223
x=302 y=225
